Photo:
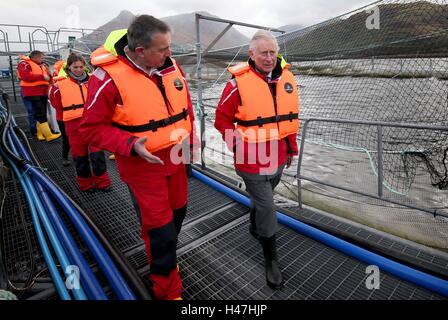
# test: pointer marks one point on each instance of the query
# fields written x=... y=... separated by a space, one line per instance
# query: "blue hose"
x=88 y=279
x=59 y=284
x=404 y=272
x=114 y=277
x=52 y=235
x=119 y=285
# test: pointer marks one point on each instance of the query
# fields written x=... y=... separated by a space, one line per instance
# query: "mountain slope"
x=184 y=30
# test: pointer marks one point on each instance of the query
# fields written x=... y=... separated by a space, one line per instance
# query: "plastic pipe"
x=116 y=280
x=59 y=284
x=52 y=235
x=88 y=279
x=126 y=269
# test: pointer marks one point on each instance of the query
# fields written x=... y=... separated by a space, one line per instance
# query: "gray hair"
x=142 y=30
x=262 y=34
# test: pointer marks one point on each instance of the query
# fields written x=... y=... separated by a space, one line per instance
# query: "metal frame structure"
x=51 y=41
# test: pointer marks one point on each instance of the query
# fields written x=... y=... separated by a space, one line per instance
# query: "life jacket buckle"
x=166 y=122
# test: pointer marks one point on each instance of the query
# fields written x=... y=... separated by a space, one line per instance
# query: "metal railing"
x=380 y=152
x=26 y=36
x=22 y=39
x=380 y=177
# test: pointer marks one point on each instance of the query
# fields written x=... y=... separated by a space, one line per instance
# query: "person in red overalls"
x=139 y=108
x=68 y=95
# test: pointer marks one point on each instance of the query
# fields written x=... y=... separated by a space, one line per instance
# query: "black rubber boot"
x=274 y=276
x=252 y=229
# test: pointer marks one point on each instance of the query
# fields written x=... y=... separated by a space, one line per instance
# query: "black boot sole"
x=275 y=286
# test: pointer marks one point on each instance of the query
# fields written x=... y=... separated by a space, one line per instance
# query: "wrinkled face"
x=264 y=55
x=77 y=68
x=155 y=55
x=38 y=59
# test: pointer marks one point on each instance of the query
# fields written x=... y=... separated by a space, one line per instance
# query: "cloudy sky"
x=53 y=14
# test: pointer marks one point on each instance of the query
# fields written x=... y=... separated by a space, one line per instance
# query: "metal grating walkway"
x=230 y=266
x=218 y=258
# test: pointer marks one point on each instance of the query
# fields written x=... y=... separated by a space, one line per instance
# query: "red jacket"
x=54 y=95
x=253 y=158
x=24 y=71
x=96 y=127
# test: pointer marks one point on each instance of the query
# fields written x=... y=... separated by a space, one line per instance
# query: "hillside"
x=184 y=30
x=410 y=29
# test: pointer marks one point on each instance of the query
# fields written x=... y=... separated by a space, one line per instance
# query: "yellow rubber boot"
x=40 y=136
x=44 y=127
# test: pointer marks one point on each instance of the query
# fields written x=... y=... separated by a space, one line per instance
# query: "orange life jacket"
x=57 y=67
x=101 y=57
x=73 y=96
x=159 y=112
x=259 y=118
x=35 y=70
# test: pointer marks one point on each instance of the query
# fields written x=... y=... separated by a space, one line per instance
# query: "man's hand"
x=140 y=149
x=288 y=161
x=47 y=77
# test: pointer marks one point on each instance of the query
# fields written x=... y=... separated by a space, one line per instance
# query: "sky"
x=54 y=14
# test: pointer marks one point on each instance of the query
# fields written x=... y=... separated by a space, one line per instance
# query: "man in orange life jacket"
x=262 y=99
x=68 y=96
x=139 y=108
x=34 y=81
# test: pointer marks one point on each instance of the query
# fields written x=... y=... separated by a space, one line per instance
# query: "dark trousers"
x=39 y=108
x=261 y=191
x=29 y=109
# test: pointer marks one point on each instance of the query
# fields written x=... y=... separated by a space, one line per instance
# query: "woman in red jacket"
x=68 y=95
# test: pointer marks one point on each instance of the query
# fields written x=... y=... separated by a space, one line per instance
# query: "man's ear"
x=139 y=51
x=251 y=54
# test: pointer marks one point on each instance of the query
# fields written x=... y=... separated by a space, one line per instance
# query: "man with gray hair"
x=139 y=108
x=262 y=99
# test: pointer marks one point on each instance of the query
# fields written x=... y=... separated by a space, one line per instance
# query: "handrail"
x=25 y=35
x=4 y=40
x=379 y=125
